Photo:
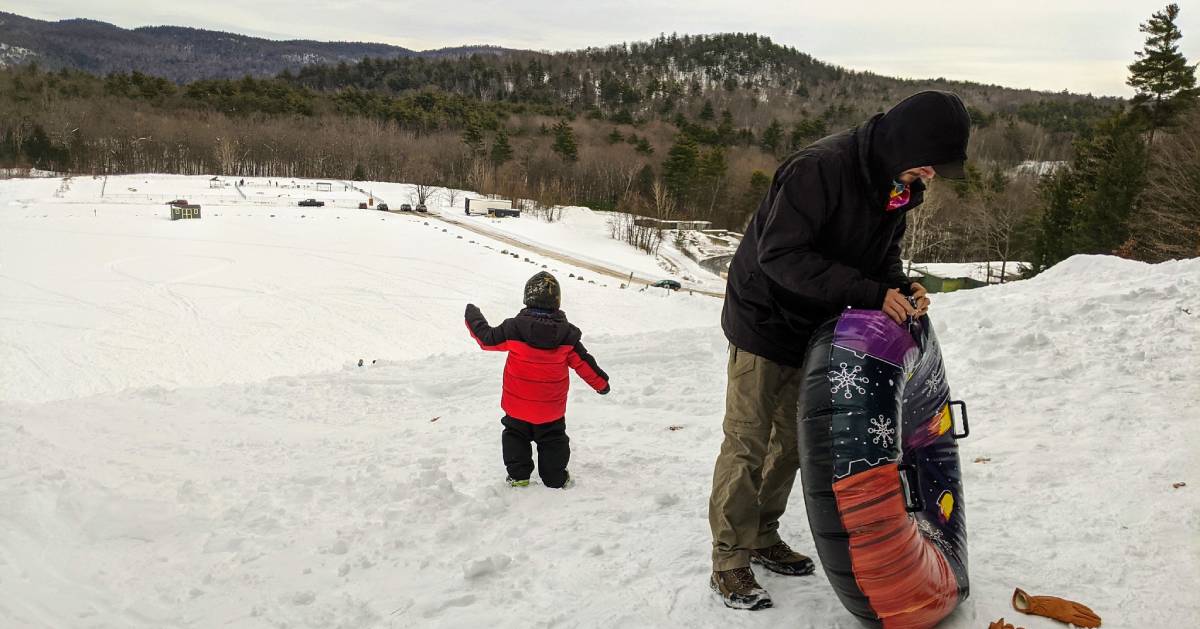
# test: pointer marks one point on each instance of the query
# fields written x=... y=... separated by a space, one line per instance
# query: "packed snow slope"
x=186 y=439
x=102 y=293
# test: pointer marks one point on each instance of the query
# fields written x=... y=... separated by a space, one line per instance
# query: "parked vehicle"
x=404 y=207
x=382 y=207
x=421 y=207
x=312 y=203
x=178 y=202
x=667 y=284
x=495 y=207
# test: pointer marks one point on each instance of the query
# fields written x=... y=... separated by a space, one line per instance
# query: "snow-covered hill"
x=186 y=439
x=101 y=293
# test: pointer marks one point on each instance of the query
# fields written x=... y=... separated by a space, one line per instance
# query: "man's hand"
x=896 y=306
x=919 y=294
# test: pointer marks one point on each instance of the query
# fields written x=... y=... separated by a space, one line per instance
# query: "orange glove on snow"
x=1056 y=608
x=1000 y=624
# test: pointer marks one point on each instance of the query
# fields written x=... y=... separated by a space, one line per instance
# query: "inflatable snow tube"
x=879 y=465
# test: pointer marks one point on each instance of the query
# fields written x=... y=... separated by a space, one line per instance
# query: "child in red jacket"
x=541 y=344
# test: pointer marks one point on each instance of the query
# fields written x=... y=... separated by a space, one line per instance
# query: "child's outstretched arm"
x=582 y=362
x=489 y=338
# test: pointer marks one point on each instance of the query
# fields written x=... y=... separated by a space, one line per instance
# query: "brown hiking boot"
x=739 y=590
x=780 y=559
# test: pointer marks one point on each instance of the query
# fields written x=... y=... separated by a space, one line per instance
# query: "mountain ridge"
x=184 y=53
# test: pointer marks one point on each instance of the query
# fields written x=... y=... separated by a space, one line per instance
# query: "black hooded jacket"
x=822 y=239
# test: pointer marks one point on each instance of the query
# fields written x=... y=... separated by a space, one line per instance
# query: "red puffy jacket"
x=540 y=345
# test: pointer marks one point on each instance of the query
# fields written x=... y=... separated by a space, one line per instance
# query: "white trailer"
x=485 y=207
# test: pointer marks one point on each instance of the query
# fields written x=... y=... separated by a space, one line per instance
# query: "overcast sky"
x=1078 y=45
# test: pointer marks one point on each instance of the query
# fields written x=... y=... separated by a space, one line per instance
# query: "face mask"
x=898 y=197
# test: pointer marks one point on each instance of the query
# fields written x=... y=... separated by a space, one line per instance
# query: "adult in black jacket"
x=826 y=237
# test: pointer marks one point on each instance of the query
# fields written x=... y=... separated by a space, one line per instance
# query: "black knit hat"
x=926 y=129
x=542 y=291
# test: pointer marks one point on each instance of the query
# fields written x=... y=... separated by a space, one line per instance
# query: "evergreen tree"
x=643 y=147
x=772 y=137
x=473 y=136
x=707 y=114
x=681 y=168
x=1164 y=81
x=8 y=148
x=360 y=174
x=564 y=142
x=711 y=175
x=645 y=181
x=615 y=137
x=725 y=131
x=39 y=149
x=501 y=150
x=1088 y=204
x=760 y=184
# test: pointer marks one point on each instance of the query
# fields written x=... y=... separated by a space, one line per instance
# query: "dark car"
x=667 y=284
x=382 y=207
x=404 y=207
x=178 y=202
x=421 y=207
x=312 y=203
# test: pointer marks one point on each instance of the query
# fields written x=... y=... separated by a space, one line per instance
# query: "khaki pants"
x=758 y=460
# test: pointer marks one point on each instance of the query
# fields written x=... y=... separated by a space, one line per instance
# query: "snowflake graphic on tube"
x=847 y=379
x=934 y=381
x=885 y=434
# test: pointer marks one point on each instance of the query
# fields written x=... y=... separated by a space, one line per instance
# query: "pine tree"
x=645 y=181
x=1164 y=81
x=711 y=176
x=725 y=131
x=707 y=114
x=643 y=147
x=564 y=142
x=615 y=137
x=772 y=137
x=1088 y=204
x=760 y=184
x=681 y=168
x=501 y=150
x=360 y=174
x=473 y=136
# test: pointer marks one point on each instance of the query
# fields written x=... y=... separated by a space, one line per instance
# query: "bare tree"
x=924 y=236
x=1001 y=217
x=1167 y=223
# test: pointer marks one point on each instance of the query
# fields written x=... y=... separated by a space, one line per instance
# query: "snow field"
x=186 y=440
x=97 y=297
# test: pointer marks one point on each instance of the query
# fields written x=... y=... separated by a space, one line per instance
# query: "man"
x=826 y=237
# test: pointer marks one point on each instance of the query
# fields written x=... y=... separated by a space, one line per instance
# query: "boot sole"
x=802 y=570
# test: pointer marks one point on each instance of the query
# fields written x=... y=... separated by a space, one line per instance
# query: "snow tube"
x=880 y=469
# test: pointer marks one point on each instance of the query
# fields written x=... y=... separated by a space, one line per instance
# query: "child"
x=541 y=344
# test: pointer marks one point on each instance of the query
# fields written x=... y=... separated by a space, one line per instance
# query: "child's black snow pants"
x=553 y=446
